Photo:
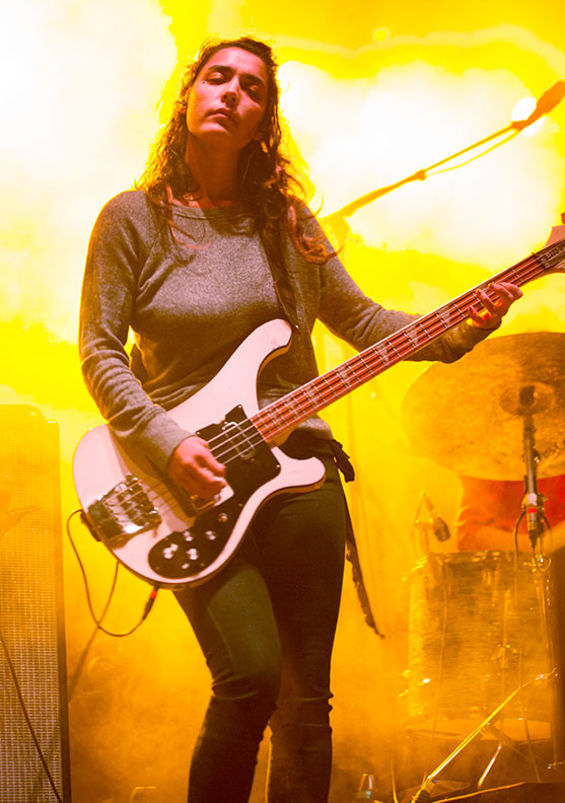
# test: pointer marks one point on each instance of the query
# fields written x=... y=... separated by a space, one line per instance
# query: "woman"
x=212 y=244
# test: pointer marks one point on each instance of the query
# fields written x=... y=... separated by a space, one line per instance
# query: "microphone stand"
x=550 y=575
x=337 y=220
x=532 y=503
x=551 y=598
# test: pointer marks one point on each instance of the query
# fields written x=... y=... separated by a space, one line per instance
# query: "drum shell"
x=476 y=634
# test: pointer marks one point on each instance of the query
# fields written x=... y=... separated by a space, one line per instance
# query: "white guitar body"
x=101 y=466
x=172 y=540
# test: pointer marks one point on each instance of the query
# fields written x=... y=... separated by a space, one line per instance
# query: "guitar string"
x=432 y=327
x=529 y=268
x=258 y=431
x=266 y=423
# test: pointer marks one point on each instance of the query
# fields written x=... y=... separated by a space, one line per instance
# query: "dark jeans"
x=266 y=625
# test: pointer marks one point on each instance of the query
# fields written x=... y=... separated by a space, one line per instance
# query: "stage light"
x=381 y=34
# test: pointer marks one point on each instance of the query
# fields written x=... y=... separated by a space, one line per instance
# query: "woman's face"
x=227 y=102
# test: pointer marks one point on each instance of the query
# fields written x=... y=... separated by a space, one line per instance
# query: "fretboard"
x=286 y=413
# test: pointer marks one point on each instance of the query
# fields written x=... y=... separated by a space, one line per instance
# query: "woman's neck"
x=214 y=173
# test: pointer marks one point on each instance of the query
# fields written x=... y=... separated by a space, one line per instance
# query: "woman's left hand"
x=493 y=310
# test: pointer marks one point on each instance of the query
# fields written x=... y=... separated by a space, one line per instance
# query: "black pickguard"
x=251 y=465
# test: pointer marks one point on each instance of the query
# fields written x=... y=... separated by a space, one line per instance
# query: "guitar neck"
x=283 y=415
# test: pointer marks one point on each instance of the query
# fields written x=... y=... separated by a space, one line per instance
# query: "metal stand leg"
x=556 y=629
x=482 y=729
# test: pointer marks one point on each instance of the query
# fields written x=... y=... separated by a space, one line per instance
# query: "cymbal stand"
x=485 y=727
x=552 y=593
x=532 y=503
x=533 y=509
x=549 y=574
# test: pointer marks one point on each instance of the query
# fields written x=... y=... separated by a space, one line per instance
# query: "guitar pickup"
x=124 y=511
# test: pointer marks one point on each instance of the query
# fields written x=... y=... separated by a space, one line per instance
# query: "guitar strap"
x=344 y=465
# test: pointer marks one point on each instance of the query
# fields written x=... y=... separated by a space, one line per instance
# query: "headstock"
x=554 y=258
x=557 y=233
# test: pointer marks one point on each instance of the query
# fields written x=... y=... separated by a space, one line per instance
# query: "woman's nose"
x=230 y=94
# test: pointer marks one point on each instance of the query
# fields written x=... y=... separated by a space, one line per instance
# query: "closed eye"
x=215 y=78
x=255 y=92
x=249 y=83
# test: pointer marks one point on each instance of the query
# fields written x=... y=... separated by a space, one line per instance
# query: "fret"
x=269 y=415
x=291 y=403
x=463 y=313
x=294 y=406
x=276 y=411
x=344 y=374
x=381 y=352
x=320 y=392
x=412 y=336
x=324 y=389
x=283 y=413
x=550 y=256
x=325 y=379
x=362 y=358
x=310 y=394
x=444 y=315
x=422 y=328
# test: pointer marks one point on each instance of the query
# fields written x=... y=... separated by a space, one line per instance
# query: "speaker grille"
x=31 y=609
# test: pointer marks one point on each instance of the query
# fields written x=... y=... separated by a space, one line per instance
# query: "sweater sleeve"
x=362 y=322
x=350 y=314
x=119 y=244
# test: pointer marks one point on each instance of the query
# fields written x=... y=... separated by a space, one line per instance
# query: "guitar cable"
x=98 y=620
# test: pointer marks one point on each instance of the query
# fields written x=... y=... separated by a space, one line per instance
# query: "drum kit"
x=486 y=657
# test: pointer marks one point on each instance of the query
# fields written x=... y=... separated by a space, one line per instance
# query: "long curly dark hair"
x=269 y=191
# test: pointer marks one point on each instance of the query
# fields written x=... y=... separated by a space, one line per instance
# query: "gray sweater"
x=191 y=301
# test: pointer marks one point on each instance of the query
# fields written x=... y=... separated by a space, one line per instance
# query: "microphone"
x=546 y=103
x=439 y=526
x=533 y=505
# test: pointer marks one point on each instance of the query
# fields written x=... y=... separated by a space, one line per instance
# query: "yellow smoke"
x=81 y=84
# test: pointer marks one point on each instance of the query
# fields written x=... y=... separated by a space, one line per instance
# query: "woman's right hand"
x=194 y=468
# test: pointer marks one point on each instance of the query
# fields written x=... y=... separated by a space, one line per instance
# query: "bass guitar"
x=171 y=539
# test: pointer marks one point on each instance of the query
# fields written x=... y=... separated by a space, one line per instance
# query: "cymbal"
x=469 y=415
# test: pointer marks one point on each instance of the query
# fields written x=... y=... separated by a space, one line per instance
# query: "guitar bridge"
x=124 y=511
